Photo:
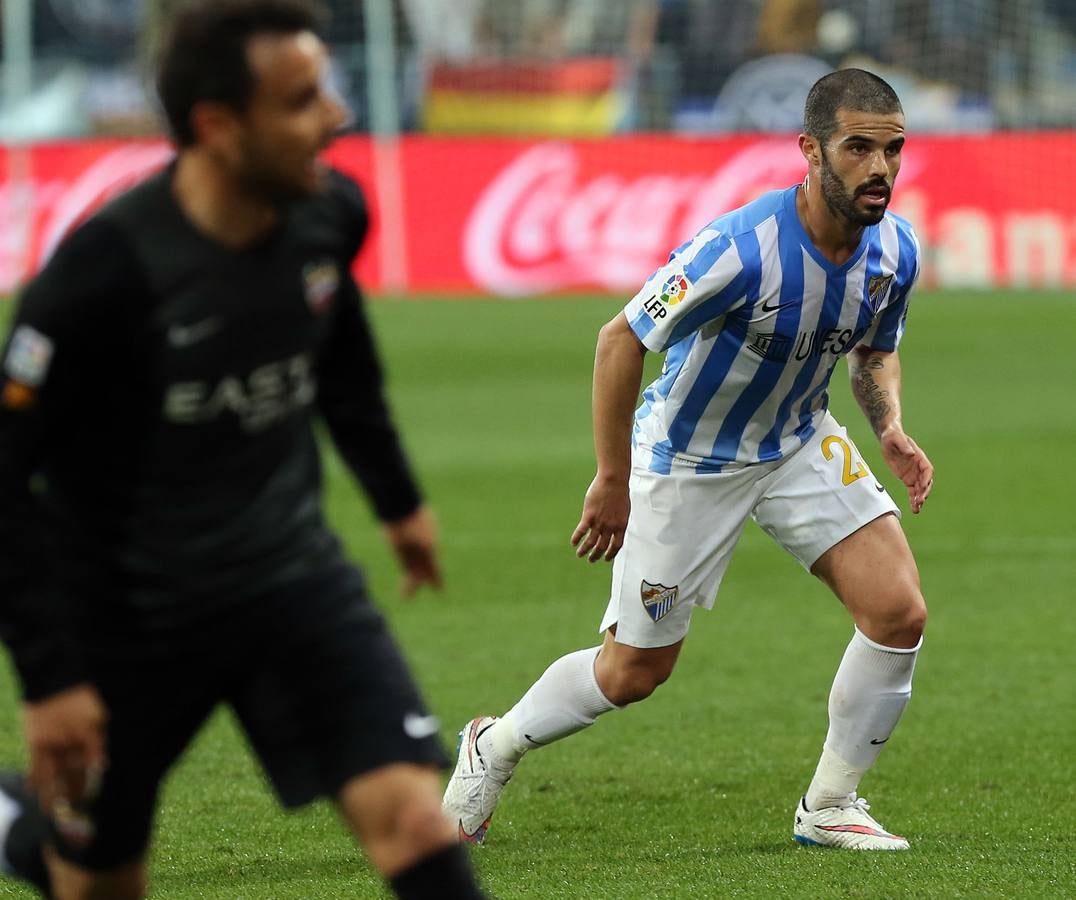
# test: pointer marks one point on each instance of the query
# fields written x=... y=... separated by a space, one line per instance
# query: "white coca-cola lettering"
x=546 y=223
x=538 y=226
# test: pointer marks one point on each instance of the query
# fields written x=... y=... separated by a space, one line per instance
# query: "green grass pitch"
x=691 y=794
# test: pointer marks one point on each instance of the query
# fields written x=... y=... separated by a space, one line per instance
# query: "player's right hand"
x=66 y=738
x=600 y=532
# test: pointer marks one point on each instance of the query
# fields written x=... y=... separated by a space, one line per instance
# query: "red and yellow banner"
x=569 y=98
x=514 y=217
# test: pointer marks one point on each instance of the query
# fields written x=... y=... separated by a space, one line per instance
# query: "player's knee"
x=631 y=683
x=900 y=621
x=916 y=617
x=910 y=616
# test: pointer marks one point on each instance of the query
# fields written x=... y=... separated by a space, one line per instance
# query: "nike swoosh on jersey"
x=767 y=308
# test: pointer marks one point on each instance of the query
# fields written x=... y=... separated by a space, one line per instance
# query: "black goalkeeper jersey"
x=157 y=392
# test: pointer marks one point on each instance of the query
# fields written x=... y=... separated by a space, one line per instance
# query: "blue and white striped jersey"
x=753 y=318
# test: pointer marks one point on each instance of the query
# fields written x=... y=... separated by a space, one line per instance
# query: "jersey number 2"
x=827 y=451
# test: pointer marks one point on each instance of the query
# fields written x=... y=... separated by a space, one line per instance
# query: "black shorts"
x=312 y=674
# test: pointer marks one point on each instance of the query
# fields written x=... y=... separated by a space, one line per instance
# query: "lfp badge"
x=674 y=290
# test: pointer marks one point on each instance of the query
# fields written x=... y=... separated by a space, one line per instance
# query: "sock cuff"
x=895 y=664
x=882 y=648
x=599 y=694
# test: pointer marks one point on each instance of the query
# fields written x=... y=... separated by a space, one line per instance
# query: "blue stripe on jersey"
x=716 y=306
x=749 y=217
x=836 y=283
x=714 y=370
x=804 y=428
x=885 y=338
x=675 y=358
x=642 y=324
x=769 y=371
x=832 y=304
x=707 y=257
x=718 y=362
x=791 y=252
x=680 y=249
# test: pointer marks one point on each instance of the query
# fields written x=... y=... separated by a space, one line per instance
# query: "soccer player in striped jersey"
x=752 y=315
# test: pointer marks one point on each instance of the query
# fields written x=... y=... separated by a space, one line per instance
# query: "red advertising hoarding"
x=517 y=217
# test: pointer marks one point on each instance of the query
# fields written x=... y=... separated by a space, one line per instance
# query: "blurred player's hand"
x=909 y=464
x=414 y=540
x=600 y=532
x=66 y=738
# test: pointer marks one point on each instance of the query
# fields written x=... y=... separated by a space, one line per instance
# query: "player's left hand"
x=414 y=540
x=910 y=464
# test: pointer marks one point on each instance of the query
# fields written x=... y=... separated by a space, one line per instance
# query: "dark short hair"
x=852 y=89
x=203 y=54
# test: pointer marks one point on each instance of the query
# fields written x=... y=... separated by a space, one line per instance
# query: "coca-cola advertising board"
x=514 y=217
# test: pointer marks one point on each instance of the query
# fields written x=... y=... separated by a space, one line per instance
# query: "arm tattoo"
x=873 y=399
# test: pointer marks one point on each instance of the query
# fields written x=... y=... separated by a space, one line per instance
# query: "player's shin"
x=566 y=699
x=869 y=693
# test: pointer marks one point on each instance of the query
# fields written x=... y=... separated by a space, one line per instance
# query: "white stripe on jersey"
x=753 y=320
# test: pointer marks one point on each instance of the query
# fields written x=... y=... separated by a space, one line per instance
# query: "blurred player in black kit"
x=162 y=544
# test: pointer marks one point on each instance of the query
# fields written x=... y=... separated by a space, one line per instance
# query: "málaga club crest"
x=876 y=288
x=658 y=599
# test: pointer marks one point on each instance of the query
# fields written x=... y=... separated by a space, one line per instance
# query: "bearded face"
x=863 y=204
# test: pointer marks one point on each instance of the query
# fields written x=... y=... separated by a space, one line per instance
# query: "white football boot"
x=475 y=786
x=848 y=826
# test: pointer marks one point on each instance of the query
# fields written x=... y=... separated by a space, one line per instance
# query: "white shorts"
x=684 y=526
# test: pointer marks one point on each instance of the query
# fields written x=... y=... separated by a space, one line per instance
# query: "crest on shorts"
x=658 y=599
x=876 y=288
x=320 y=279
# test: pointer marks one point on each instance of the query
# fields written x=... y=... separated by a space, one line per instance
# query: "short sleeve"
x=702 y=281
x=887 y=328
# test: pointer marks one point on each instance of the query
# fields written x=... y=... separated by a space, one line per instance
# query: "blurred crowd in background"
x=595 y=67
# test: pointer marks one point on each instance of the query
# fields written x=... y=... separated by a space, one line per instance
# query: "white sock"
x=566 y=699
x=869 y=693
